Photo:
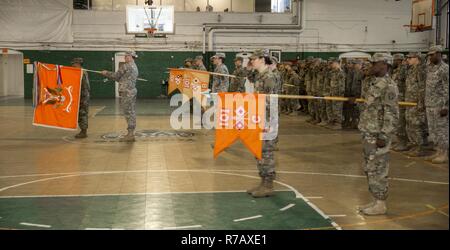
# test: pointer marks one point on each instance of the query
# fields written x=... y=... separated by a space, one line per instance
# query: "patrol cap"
x=414 y=54
x=238 y=58
x=199 y=58
x=219 y=55
x=131 y=53
x=399 y=56
x=382 y=57
x=257 y=54
x=434 y=49
x=78 y=60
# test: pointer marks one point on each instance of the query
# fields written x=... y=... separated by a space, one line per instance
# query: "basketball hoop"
x=415 y=28
x=150 y=31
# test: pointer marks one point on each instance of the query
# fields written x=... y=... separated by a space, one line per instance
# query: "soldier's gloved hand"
x=381 y=143
x=443 y=112
x=104 y=72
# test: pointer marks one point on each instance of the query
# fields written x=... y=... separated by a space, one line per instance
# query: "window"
x=281 y=6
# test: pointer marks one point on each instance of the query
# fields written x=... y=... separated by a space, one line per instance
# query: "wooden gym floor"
x=168 y=179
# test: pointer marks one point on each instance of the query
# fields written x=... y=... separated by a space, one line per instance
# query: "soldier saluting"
x=127 y=76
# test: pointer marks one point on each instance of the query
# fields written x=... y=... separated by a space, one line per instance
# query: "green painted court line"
x=230 y=210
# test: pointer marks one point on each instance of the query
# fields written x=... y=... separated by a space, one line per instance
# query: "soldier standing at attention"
x=325 y=91
x=337 y=88
x=356 y=92
x=126 y=76
x=265 y=83
x=377 y=124
x=436 y=102
x=198 y=63
x=399 y=77
x=237 y=84
x=302 y=91
x=274 y=67
x=348 y=88
x=416 y=124
x=220 y=83
x=83 y=113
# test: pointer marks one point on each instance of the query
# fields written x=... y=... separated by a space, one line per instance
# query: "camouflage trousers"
x=438 y=127
x=402 y=137
x=322 y=110
x=128 y=107
x=83 y=113
x=416 y=126
x=334 y=111
x=266 y=166
x=312 y=108
x=292 y=103
x=376 y=166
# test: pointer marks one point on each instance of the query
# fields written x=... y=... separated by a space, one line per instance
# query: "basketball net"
x=152 y=21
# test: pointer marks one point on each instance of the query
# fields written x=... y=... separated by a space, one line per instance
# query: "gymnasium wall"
x=152 y=66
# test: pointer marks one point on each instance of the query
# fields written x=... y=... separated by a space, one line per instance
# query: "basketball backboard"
x=140 y=18
x=422 y=15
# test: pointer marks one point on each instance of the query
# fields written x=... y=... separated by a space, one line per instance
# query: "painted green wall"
x=152 y=66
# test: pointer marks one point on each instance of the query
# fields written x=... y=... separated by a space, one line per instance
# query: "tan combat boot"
x=431 y=157
x=129 y=137
x=378 y=208
x=362 y=207
x=82 y=134
x=441 y=158
x=264 y=190
x=251 y=190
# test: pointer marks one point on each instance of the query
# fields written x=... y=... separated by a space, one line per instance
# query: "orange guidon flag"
x=195 y=81
x=240 y=116
x=175 y=80
x=188 y=81
x=57 y=96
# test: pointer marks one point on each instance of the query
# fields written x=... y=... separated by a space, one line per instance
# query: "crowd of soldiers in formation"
x=340 y=78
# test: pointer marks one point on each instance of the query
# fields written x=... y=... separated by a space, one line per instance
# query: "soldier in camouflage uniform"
x=237 y=84
x=83 y=113
x=356 y=92
x=377 y=125
x=198 y=64
x=292 y=88
x=302 y=90
x=337 y=88
x=325 y=91
x=308 y=85
x=265 y=83
x=399 y=77
x=274 y=67
x=315 y=78
x=220 y=83
x=347 y=108
x=436 y=102
x=416 y=124
x=126 y=76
